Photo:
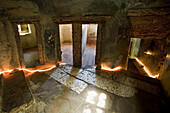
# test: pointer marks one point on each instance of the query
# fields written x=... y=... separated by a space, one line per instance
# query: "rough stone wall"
x=115 y=42
x=154 y=61
x=115 y=30
x=12 y=9
x=152 y=25
x=8 y=48
x=165 y=71
x=165 y=78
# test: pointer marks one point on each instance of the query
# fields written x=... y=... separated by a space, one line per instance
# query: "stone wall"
x=165 y=71
x=115 y=38
x=152 y=26
x=165 y=78
x=8 y=49
x=154 y=61
x=23 y=9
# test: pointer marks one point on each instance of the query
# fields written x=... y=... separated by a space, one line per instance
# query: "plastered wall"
x=65 y=33
x=29 y=40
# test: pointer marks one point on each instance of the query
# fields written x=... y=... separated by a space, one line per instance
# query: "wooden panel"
x=77 y=44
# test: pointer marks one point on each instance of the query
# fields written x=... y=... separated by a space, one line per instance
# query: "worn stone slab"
x=107 y=84
x=34 y=86
x=58 y=74
x=16 y=93
x=117 y=83
x=143 y=86
x=70 y=69
x=76 y=85
x=132 y=82
x=40 y=106
x=25 y=108
x=49 y=90
x=119 y=77
x=116 y=76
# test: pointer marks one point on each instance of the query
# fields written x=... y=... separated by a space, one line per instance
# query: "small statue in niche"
x=50 y=44
x=49 y=39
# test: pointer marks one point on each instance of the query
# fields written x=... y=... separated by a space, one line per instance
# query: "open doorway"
x=133 y=53
x=146 y=56
x=28 y=39
x=89 y=38
x=66 y=43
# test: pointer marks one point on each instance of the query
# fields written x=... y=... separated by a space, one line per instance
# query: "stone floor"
x=72 y=90
x=88 y=57
x=67 y=53
x=31 y=57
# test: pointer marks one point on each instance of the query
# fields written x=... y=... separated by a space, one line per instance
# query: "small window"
x=24 y=29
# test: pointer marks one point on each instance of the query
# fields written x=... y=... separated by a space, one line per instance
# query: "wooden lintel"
x=147 y=36
x=148 y=12
x=85 y=19
x=25 y=20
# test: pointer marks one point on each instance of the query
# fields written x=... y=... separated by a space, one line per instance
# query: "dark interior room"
x=84 y=56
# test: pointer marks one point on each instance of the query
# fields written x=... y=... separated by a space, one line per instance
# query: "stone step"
x=143 y=78
x=120 y=79
x=141 y=83
x=140 y=68
x=16 y=93
x=64 y=78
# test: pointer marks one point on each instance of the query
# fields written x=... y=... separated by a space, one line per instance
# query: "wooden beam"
x=148 y=12
x=149 y=23
x=85 y=19
x=24 y=20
